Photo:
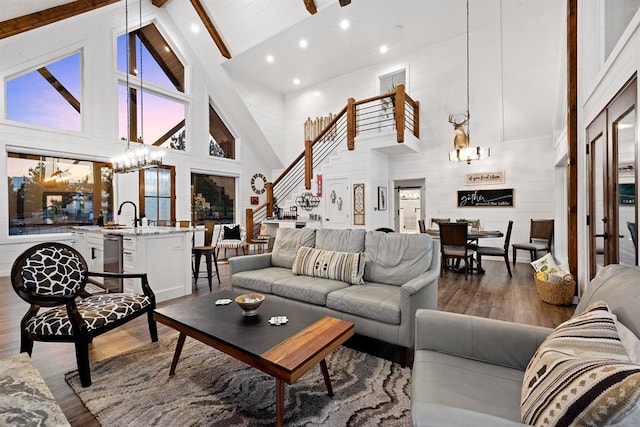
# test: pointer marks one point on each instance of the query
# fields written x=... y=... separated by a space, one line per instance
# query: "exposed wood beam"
x=572 y=135
x=18 y=25
x=159 y=3
x=202 y=13
x=59 y=87
x=344 y=3
x=311 y=6
x=169 y=133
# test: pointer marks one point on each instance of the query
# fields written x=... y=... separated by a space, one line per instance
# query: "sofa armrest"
x=489 y=340
x=249 y=262
x=417 y=284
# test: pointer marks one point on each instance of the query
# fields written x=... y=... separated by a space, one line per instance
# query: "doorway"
x=409 y=202
x=612 y=180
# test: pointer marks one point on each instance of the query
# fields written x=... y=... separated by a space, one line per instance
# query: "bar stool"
x=209 y=254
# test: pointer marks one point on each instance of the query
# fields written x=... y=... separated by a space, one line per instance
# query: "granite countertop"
x=128 y=231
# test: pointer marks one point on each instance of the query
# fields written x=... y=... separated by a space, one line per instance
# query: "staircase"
x=393 y=110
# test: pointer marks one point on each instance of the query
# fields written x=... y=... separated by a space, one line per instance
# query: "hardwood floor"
x=492 y=295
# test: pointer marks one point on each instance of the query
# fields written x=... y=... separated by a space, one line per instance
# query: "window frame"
x=172 y=197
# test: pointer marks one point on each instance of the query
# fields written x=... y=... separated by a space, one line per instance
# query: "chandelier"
x=463 y=151
x=141 y=158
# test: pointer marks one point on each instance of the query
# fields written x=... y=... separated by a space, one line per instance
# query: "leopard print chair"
x=54 y=275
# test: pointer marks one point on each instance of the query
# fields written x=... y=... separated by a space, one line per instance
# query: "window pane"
x=164 y=209
x=151 y=208
x=162 y=123
x=222 y=143
x=49 y=194
x=213 y=197
x=151 y=182
x=32 y=98
x=164 y=178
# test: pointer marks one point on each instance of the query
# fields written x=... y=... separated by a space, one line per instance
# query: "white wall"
x=94 y=34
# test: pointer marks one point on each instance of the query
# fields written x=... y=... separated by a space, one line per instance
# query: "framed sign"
x=358 y=204
x=484 y=178
x=255 y=200
x=627 y=194
x=485 y=198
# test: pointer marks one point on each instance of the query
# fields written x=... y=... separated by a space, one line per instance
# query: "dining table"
x=473 y=235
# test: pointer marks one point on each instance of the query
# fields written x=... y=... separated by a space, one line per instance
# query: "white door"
x=337 y=194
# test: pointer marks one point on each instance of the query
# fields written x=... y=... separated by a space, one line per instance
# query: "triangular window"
x=48 y=96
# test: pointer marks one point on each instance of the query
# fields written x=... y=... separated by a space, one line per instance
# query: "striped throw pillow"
x=581 y=375
x=345 y=266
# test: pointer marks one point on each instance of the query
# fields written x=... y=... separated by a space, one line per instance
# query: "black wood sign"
x=493 y=198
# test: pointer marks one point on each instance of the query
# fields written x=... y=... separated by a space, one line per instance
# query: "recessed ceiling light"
x=344 y=24
x=296 y=81
x=303 y=43
x=270 y=59
x=384 y=48
x=195 y=28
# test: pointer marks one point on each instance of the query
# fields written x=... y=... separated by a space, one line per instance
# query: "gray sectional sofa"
x=400 y=276
x=469 y=371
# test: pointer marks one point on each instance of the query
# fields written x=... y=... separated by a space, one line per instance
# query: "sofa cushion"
x=343 y=266
x=395 y=258
x=442 y=380
x=313 y=290
x=260 y=280
x=350 y=240
x=374 y=301
x=581 y=375
x=287 y=242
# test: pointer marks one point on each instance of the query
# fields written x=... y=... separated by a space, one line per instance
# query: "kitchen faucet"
x=135 y=212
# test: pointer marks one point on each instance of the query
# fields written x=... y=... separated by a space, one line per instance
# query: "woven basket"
x=556 y=293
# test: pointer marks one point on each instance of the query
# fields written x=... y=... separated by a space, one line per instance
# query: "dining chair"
x=540 y=238
x=633 y=231
x=453 y=246
x=233 y=236
x=209 y=252
x=496 y=250
x=422 y=226
x=436 y=221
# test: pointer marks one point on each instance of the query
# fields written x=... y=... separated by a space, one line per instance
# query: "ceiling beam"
x=12 y=27
x=311 y=6
x=59 y=87
x=344 y=3
x=202 y=13
x=158 y=3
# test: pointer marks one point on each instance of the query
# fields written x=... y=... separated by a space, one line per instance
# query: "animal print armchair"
x=54 y=275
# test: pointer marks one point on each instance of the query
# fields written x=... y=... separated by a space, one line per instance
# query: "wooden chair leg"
x=82 y=358
x=514 y=256
x=506 y=261
x=153 y=327
x=196 y=267
x=215 y=262
x=207 y=258
x=26 y=343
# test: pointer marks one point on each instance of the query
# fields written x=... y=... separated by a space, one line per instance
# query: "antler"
x=457 y=125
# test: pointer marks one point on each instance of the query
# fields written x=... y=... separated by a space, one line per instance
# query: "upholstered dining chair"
x=421 y=226
x=495 y=250
x=232 y=236
x=540 y=239
x=209 y=252
x=453 y=246
x=53 y=276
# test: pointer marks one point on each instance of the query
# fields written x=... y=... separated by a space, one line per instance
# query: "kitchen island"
x=164 y=253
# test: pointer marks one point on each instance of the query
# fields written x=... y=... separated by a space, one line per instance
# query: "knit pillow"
x=581 y=375
x=345 y=266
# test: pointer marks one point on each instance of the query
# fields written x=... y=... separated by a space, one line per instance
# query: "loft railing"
x=393 y=110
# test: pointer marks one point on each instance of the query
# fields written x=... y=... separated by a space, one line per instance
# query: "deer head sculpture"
x=461 y=139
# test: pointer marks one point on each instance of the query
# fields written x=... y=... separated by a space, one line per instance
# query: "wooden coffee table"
x=285 y=352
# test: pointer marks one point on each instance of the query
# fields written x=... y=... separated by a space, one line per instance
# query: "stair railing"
x=393 y=110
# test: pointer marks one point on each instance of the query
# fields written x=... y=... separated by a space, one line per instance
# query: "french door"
x=612 y=182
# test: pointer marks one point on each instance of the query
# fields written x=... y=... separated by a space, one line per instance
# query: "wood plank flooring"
x=492 y=295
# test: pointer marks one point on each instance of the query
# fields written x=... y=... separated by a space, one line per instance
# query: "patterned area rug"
x=213 y=389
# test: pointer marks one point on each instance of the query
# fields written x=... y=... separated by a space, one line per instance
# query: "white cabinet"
x=165 y=258
x=95 y=255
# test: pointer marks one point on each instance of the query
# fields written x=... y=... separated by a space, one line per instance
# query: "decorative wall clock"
x=258 y=182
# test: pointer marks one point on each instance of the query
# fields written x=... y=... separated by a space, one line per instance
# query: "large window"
x=48 y=96
x=153 y=111
x=49 y=194
x=212 y=198
x=158 y=194
x=222 y=143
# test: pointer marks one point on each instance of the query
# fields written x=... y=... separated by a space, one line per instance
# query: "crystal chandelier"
x=141 y=158
x=463 y=151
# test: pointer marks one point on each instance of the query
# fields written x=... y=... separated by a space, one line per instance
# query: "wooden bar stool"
x=208 y=250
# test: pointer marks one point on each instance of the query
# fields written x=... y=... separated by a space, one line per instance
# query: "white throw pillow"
x=581 y=375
